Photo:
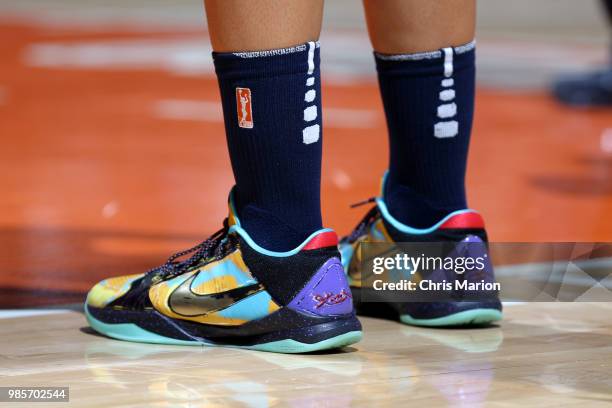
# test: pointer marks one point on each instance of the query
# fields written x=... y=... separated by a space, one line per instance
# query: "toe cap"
x=106 y=291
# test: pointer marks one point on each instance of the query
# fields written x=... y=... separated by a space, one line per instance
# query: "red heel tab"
x=468 y=220
x=322 y=240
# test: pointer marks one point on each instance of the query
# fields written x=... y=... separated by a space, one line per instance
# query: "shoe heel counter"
x=327 y=293
x=477 y=248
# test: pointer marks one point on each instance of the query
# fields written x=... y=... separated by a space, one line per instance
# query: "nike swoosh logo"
x=183 y=301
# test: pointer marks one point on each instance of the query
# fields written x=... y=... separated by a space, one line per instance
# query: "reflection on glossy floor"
x=543 y=355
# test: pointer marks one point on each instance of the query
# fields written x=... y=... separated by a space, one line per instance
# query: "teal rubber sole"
x=131 y=332
x=474 y=317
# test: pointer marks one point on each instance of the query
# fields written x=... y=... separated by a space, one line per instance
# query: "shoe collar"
x=462 y=219
x=325 y=237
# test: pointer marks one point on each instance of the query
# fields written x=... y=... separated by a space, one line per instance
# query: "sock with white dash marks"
x=429 y=104
x=272 y=112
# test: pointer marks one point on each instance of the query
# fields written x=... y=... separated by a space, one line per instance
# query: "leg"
x=276 y=153
x=425 y=62
x=237 y=25
x=271 y=279
x=608 y=7
x=411 y=26
x=590 y=89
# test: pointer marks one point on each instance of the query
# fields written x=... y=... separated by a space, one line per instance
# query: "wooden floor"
x=544 y=355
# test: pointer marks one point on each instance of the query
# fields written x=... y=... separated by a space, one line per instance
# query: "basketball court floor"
x=113 y=157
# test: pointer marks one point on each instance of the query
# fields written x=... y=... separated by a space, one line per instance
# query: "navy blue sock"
x=272 y=110
x=429 y=105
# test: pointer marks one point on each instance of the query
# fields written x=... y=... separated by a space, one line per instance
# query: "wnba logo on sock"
x=243 y=105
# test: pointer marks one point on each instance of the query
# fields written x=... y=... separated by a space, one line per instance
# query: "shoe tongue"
x=383 y=182
x=232 y=217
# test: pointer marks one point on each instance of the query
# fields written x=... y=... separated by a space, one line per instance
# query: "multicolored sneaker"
x=458 y=229
x=231 y=292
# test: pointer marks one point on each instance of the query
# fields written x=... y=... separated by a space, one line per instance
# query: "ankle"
x=273 y=232
x=417 y=210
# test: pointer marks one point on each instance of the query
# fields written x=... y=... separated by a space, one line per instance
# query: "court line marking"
x=15 y=313
x=558 y=272
x=508 y=303
x=210 y=111
x=347 y=57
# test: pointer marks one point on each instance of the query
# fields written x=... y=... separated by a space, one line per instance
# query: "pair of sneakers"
x=228 y=291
